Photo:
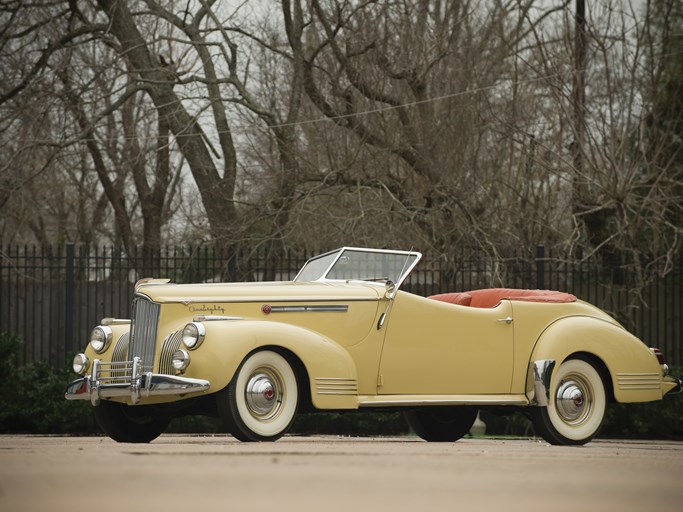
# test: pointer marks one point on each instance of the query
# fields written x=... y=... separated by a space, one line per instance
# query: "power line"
x=244 y=128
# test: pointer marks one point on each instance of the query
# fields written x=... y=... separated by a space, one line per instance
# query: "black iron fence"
x=53 y=296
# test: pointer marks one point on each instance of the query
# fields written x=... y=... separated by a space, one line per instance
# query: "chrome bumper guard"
x=542 y=370
x=678 y=384
x=128 y=378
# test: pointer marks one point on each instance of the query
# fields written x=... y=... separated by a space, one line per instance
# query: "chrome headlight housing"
x=100 y=338
x=193 y=335
x=180 y=360
x=81 y=364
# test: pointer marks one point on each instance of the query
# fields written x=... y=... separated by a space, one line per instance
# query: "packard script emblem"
x=203 y=308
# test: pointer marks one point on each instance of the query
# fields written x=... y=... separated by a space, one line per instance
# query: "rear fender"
x=331 y=371
x=633 y=369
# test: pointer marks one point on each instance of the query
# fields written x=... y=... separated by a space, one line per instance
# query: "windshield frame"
x=323 y=276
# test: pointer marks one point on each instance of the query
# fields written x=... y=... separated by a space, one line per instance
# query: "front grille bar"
x=120 y=374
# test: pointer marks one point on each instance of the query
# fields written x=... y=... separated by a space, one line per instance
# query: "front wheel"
x=577 y=405
x=129 y=423
x=260 y=402
x=441 y=424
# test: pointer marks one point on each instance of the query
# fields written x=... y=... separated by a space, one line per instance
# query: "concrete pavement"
x=319 y=474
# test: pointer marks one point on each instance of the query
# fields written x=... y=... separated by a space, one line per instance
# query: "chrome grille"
x=145 y=319
x=120 y=354
x=168 y=347
x=121 y=348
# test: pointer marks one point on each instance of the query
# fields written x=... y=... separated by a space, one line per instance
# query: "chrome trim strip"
x=115 y=321
x=418 y=400
x=215 y=318
x=637 y=376
x=332 y=386
x=308 y=308
x=269 y=299
x=638 y=381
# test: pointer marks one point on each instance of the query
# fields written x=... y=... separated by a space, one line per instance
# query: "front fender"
x=633 y=369
x=331 y=371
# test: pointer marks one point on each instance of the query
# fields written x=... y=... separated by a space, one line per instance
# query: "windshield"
x=354 y=264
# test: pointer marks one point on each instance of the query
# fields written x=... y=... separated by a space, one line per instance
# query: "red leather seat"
x=490 y=297
x=461 y=299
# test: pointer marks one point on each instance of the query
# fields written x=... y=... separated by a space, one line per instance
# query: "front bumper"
x=127 y=379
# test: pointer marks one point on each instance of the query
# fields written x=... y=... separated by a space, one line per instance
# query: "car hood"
x=248 y=292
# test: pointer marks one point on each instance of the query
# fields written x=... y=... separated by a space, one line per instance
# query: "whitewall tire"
x=260 y=402
x=577 y=404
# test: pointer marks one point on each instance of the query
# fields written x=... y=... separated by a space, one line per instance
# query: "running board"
x=420 y=400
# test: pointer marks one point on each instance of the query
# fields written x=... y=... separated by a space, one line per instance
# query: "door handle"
x=507 y=320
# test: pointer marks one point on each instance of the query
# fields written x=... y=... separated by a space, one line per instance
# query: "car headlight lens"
x=100 y=338
x=193 y=335
x=181 y=360
x=80 y=364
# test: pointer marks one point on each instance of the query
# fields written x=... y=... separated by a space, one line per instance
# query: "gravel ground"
x=194 y=473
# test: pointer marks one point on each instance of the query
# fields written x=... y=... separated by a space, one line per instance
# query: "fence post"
x=69 y=299
x=540 y=267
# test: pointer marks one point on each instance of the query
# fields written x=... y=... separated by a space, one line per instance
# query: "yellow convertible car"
x=343 y=336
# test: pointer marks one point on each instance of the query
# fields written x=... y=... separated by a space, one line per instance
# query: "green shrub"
x=32 y=401
x=651 y=420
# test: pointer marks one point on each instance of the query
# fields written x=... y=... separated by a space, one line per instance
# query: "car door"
x=433 y=348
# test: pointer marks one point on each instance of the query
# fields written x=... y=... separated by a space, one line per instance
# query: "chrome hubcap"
x=264 y=394
x=573 y=400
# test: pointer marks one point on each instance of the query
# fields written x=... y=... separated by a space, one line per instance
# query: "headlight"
x=81 y=364
x=181 y=360
x=193 y=335
x=100 y=338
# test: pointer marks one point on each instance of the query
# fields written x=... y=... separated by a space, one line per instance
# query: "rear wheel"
x=260 y=402
x=129 y=424
x=577 y=405
x=441 y=424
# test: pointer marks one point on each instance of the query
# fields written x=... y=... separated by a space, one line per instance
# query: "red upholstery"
x=490 y=297
x=461 y=299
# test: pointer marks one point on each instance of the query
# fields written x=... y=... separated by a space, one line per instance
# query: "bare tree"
x=426 y=83
x=434 y=123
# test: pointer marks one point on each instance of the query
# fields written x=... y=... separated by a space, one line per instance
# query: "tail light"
x=660 y=357
x=659 y=354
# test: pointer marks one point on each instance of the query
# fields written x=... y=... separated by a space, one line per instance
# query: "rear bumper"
x=129 y=381
x=671 y=385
